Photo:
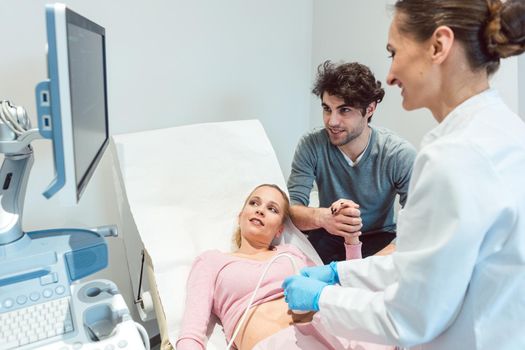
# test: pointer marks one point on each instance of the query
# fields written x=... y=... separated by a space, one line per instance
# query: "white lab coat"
x=457 y=279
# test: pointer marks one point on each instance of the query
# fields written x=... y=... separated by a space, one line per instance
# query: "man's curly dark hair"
x=353 y=82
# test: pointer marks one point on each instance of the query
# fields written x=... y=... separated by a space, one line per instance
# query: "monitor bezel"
x=58 y=17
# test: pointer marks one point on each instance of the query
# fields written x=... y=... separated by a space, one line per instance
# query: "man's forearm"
x=305 y=218
x=389 y=249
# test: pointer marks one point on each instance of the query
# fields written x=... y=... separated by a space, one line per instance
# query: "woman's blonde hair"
x=237 y=239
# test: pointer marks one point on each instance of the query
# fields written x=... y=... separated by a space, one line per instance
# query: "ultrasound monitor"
x=72 y=103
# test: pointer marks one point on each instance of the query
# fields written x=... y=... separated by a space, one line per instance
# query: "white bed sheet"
x=185 y=187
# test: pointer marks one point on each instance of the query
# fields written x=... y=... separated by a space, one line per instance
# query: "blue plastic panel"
x=84 y=262
x=48 y=107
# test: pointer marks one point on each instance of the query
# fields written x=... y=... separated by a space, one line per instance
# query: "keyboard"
x=35 y=323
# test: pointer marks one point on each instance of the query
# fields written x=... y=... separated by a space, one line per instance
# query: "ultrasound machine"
x=44 y=304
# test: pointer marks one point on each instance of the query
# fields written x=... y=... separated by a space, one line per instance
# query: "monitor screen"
x=74 y=112
x=88 y=97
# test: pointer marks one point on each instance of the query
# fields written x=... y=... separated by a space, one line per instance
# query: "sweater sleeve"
x=199 y=303
x=353 y=251
x=302 y=176
x=405 y=154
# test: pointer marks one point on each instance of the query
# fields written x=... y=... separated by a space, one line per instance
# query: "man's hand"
x=389 y=249
x=343 y=218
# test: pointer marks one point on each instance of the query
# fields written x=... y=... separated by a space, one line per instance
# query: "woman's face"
x=411 y=68
x=261 y=219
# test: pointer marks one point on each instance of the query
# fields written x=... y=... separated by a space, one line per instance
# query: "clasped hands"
x=343 y=218
x=302 y=292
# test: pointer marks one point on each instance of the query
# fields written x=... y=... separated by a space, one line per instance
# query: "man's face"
x=342 y=122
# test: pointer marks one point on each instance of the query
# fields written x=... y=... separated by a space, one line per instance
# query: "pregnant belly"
x=265 y=320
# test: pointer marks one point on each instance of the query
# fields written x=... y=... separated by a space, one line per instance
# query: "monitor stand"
x=13 y=181
x=84 y=251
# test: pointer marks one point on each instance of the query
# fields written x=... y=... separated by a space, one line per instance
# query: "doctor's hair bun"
x=487 y=29
x=505 y=30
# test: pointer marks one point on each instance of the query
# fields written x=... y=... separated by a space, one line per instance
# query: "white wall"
x=169 y=63
x=182 y=62
x=358 y=31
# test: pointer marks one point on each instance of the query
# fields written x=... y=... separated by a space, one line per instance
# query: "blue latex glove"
x=324 y=273
x=302 y=293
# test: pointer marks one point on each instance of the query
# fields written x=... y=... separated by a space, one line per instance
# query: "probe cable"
x=255 y=292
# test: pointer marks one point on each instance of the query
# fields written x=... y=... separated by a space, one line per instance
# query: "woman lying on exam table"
x=223 y=283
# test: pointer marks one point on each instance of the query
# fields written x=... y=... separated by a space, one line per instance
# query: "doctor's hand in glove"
x=303 y=293
x=324 y=273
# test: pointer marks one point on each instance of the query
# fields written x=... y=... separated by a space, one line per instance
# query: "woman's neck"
x=459 y=83
x=247 y=248
x=454 y=97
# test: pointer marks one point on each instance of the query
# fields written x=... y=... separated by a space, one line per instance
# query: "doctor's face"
x=342 y=122
x=262 y=217
x=411 y=69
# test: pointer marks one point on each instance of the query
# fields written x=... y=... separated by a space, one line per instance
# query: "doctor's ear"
x=442 y=41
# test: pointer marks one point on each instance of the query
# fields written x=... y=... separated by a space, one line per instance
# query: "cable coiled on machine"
x=12 y=119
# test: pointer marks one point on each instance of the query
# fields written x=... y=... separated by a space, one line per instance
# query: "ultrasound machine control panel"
x=44 y=306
